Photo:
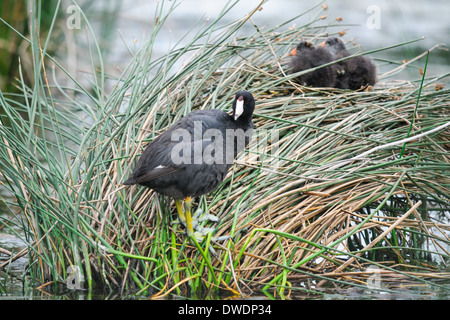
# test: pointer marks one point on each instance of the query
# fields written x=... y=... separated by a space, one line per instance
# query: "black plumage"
x=354 y=73
x=304 y=57
x=193 y=156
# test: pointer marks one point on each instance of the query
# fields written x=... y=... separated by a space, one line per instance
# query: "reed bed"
x=338 y=186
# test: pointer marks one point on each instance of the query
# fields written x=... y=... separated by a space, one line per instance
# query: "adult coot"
x=193 y=156
x=353 y=73
x=304 y=57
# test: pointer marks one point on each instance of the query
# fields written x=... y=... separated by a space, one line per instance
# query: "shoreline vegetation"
x=354 y=193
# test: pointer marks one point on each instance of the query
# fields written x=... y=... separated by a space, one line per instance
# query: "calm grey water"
x=399 y=21
x=129 y=23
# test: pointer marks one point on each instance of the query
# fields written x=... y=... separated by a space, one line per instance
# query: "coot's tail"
x=129 y=182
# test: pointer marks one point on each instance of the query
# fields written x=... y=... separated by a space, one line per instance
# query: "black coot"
x=353 y=73
x=193 y=156
x=305 y=56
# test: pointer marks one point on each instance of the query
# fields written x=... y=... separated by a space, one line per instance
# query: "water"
x=131 y=25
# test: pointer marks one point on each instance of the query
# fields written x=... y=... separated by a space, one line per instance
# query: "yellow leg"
x=185 y=217
x=188 y=206
x=180 y=211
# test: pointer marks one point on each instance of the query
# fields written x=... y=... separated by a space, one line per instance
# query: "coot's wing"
x=156 y=160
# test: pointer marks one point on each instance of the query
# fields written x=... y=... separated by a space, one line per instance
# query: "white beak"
x=239 y=108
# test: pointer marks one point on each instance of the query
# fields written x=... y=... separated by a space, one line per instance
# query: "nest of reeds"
x=336 y=184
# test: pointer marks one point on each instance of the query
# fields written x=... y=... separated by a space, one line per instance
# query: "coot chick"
x=354 y=73
x=305 y=56
x=193 y=156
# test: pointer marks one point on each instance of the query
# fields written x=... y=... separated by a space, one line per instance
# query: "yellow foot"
x=197 y=217
x=200 y=233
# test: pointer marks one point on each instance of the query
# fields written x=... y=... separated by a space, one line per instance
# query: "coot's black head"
x=303 y=45
x=243 y=106
x=334 y=45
